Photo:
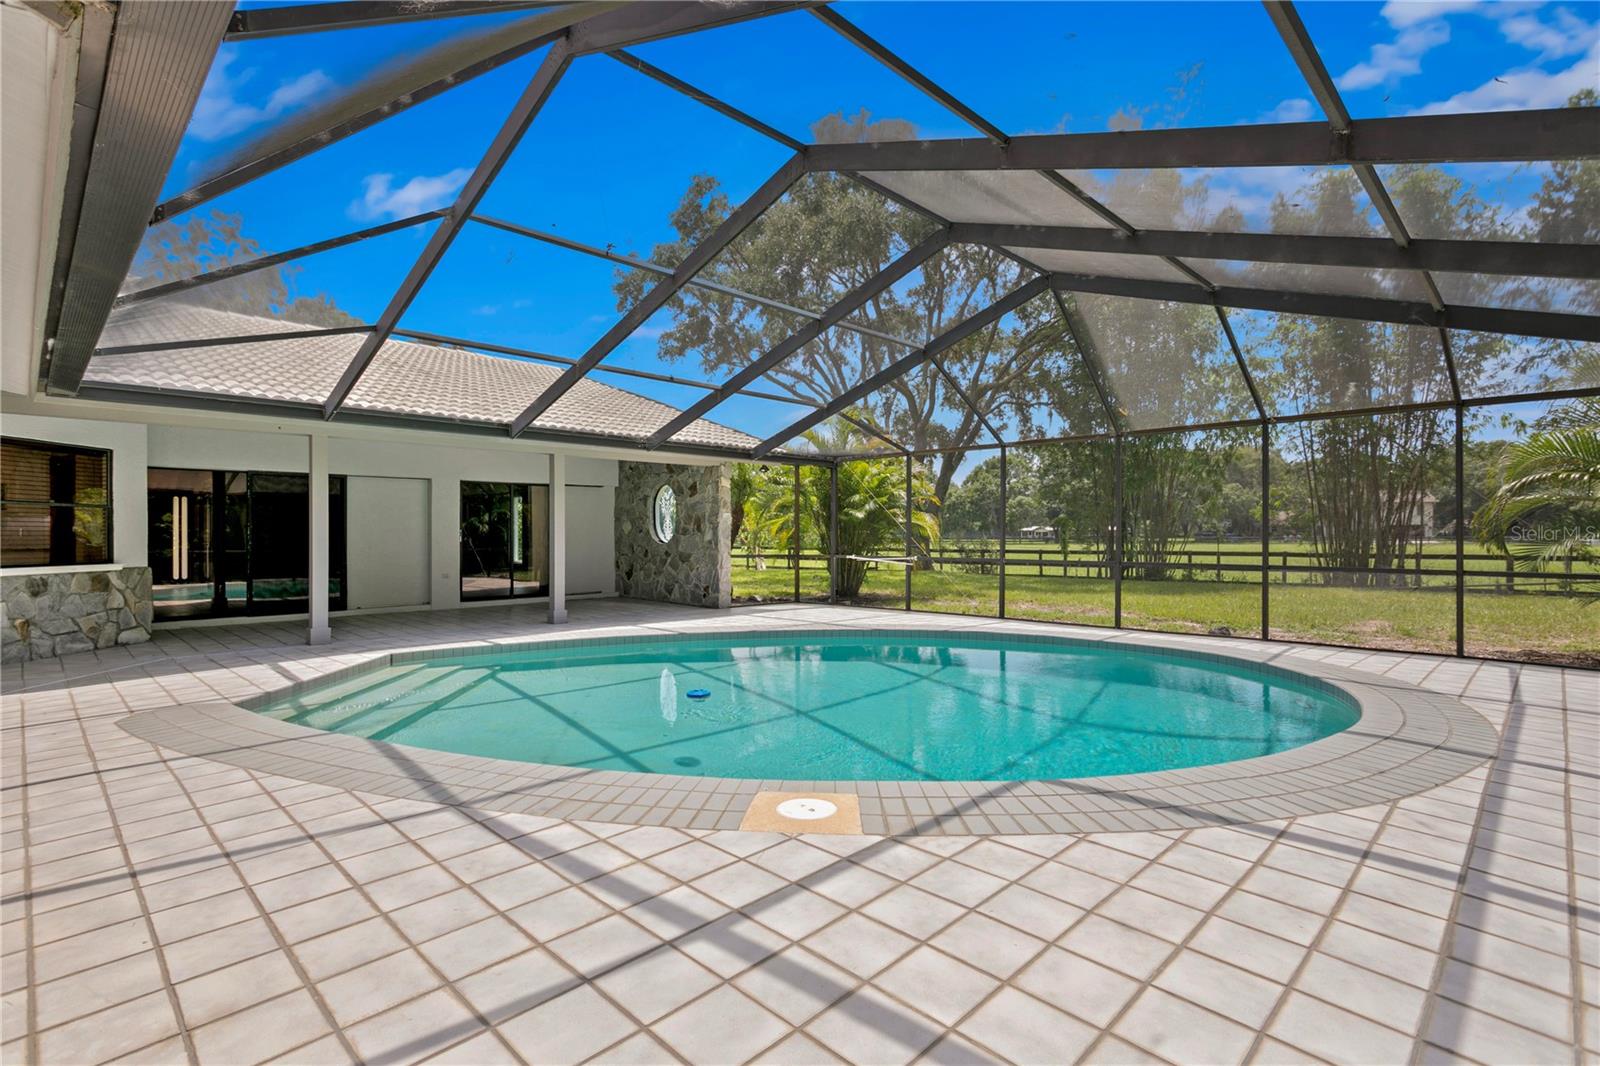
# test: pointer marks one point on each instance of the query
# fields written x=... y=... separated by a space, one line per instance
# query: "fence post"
x=1003 y=527
x=910 y=548
x=1266 y=530
x=1116 y=537
x=833 y=532
x=794 y=534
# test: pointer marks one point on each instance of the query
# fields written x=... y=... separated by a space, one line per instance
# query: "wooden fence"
x=1483 y=571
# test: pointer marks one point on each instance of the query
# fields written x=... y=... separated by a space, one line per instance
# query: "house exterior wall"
x=403 y=520
x=128 y=445
x=388 y=541
x=695 y=566
x=53 y=610
x=591 y=539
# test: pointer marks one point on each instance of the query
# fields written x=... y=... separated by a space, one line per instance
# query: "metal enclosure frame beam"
x=874 y=48
x=846 y=305
x=544 y=29
x=694 y=283
x=656 y=298
x=1244 y=368
x=900 y=367
x=253 y=24
x=604 y=24
x=505 y=142
x=1091 y=362
x=700 y=96
x=930 y=88
x=640 y=23
x=1557 y=325
x=563 y=360
x=195 y=281
x=1523 y=258
x=1477 y=137
x=1298 y=41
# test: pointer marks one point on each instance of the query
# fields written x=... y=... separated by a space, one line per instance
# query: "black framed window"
x=229 y=542
x=55 y=504
x=505 y=547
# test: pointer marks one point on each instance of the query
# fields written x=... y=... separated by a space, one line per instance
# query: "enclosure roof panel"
x=776 y=173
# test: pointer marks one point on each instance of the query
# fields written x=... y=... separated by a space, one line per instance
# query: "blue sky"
x=611 y=153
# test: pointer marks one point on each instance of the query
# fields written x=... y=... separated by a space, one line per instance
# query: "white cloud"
x=1518 y=90
x=1403 y=13
x=1298 y=109
x=380 y=197
x=220 y=113
x=1565 y=35
x=1392 y=61
x=1248 y=190
x=1420 y=27
x=487 y=309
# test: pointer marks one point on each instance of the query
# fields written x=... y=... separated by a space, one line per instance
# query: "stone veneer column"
x=696 y=566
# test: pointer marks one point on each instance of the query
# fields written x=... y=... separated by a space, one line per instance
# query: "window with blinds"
x=55 y=504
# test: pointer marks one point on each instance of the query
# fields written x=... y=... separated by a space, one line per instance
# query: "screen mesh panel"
x=1017 y=197
x=1167 y=364
x=1303 y=364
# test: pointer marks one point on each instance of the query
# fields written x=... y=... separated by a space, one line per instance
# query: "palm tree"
x=1557 y=468
x=872 y=503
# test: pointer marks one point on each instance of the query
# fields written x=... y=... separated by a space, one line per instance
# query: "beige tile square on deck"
x=803 y=812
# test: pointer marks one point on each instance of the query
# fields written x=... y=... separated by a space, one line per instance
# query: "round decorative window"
x=664 y=514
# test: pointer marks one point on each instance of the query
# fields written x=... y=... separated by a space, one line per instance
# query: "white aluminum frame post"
x=317 y=488
x=558 y=538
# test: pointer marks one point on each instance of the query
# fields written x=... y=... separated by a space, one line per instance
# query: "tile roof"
x=405 y=378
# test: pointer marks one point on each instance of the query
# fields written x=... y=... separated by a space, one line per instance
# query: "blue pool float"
x=699 y=694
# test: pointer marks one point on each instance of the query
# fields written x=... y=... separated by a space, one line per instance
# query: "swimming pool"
x=835 y=707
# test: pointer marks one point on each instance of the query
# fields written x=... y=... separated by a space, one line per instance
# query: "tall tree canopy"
x=205 y=242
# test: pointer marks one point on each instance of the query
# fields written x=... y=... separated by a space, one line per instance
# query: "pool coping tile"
x=1406 y=740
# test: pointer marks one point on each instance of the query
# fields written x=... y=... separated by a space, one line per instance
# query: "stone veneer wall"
x=54 y=614
x=696 y=567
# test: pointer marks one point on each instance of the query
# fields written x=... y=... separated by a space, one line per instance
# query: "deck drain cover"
x=803 y=812
x=808 y=809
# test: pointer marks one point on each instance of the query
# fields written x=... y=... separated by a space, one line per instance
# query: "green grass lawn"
x=1498 y=625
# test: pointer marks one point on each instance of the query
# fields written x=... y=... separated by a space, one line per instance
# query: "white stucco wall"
x=388 y=535
x=190 y=448
x=591 y=540
x=402 y=550
x=127 y=444
x=141 y=437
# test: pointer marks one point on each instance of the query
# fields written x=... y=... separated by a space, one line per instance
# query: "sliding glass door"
x=226 y=542
x=505 y=549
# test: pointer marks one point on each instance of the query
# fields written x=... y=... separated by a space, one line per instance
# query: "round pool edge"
x=1407 y=740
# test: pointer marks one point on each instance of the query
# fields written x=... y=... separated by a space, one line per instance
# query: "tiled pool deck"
x=166 y=907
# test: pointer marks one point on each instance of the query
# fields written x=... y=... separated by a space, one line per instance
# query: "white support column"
x=558 y=538
x=317 y=485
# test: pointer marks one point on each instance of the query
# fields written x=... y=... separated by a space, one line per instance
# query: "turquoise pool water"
x=835 y=707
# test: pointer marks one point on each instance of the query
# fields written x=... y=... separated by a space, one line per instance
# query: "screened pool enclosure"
x=1213 y=341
